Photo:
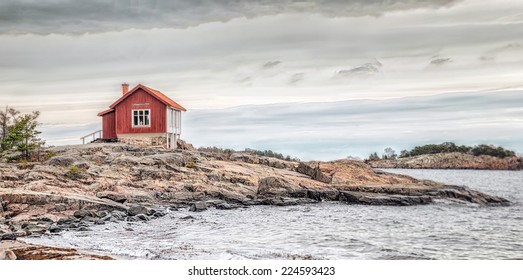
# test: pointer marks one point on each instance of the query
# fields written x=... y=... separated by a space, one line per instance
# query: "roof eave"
x=105 y=112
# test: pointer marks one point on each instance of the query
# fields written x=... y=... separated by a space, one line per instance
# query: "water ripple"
x=327 y=230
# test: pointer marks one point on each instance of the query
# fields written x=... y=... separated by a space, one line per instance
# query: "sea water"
x=327 y=230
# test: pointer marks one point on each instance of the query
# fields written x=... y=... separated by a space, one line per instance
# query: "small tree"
x=404 y=154
x=7 y=119
x=23 y=136
x=373 y=157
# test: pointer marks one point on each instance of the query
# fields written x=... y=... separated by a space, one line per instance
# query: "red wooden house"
x=143 y=116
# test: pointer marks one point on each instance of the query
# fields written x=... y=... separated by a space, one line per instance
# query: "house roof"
x=157 y=94
x=105 y=112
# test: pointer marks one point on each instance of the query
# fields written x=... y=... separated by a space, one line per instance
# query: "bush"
x=270 y=153
x=404 y=154
x=491 y=151
x=267 y=153
x=373 y=157
x=226 y=152
x=74 y=172
x=190 y=164
x=49 y=155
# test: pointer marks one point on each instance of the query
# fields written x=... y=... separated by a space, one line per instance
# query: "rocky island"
x=78 y=186
x=454 y=160
x=448 y=155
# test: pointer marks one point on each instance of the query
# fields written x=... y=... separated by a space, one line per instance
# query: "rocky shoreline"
x=451 y=161
x=98 y=183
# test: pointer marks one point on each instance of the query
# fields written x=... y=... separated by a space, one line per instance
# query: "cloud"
x=365 y=70
x=491 y=54
x=79 y=16
x=332 y=130
x=295 y=78
x=271 y=64
x=441 y=61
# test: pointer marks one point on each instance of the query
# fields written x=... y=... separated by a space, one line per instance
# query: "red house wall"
x=140 y=100
x=109 y=126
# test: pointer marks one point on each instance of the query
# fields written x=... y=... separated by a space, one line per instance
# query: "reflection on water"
x=327 y=230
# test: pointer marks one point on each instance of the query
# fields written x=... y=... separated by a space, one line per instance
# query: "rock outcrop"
x=451 y=161
x=120 y=182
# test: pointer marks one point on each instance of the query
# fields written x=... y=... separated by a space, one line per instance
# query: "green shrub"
x=190 y=164
x=373 y=157
x=74 y=172
x=270 y=153
x=266 y=153
x=49 y=155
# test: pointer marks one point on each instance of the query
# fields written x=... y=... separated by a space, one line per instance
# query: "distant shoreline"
x=455 y=160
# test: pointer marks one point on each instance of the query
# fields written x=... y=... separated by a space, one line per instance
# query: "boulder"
x=314 y=172
x=7 y=255
x=142 y=217
x=36 y=228
x=102 y=213
x=159 y=214
x=136 y=210
x=182 y=145
x=8 y=236
x=55 y=229
x=198 y=206
x=226 y=206
x=320 y=195
x=80 y=214
x=67 y=220
x=83 y=229
x=114 y=196
x=118 y=215
x=108 y=218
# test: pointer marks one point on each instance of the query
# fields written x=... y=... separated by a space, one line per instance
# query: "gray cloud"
x=295 y=78
x=79 y=16
x=441 y=61
x=491 y=55
x=365 y=70
x=271 y=64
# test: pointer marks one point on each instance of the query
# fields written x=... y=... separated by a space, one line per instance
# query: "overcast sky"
x=366 y=61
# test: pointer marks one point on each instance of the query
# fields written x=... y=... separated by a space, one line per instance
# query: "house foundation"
x=145 y=139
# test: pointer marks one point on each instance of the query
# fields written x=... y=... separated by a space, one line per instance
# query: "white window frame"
x=148 y=115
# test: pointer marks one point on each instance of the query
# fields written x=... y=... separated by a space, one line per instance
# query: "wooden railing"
x=93 y=135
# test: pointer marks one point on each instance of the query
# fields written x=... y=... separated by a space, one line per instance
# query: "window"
x=141 y=118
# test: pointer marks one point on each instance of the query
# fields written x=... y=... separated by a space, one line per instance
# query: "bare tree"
x=389 y=153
